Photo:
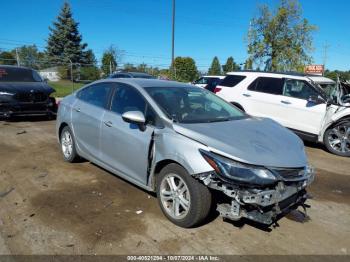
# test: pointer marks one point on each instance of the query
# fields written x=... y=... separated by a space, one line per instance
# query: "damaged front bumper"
x=9 y=109
x=263 y=205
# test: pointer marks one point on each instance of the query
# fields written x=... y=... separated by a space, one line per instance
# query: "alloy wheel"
x=175 y=196
x=339 y=138
x=67 y=144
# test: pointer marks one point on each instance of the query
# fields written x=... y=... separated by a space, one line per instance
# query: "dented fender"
x=168 y=145
x=334 y=114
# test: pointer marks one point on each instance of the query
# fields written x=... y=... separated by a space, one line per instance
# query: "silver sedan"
x=184 y=142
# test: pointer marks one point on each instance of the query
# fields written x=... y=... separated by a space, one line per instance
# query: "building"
x=50 y=74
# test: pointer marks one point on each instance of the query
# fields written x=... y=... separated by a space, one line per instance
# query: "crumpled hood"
x=25 y=87
x=258 y=141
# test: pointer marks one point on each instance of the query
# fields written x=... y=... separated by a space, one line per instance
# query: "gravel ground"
x=48 y=206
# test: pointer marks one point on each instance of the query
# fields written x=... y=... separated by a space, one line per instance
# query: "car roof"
x=134 y=74
x=321 y=79
x=143 y=82
x=294 y=75
x=221 y=77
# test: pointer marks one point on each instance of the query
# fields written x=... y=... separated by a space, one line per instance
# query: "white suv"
x=295 y=102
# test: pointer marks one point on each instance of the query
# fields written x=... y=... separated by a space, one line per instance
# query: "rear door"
x=87 y=114
x=262 y=98
x=125 y=147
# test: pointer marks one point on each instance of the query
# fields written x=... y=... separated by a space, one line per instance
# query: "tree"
x=129 y=67
x=215 y=68
x=7 y=58
x=89 y=70
x=64 y=44
x=89 y=57
x=343 y=75
x=184 y=69
x=248 y=65
x=281 y=40
x=109 y=60
x=230 y=65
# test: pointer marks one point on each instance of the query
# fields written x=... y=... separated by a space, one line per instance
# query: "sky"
x=203 y=28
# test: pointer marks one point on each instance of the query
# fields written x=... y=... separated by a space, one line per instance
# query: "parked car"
x=208 y=82
x=183 y=142
x=23 y=92
x=131 y=75
x=295 y=102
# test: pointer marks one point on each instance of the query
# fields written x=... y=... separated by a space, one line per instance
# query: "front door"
x=299 y=113
x=124 y=146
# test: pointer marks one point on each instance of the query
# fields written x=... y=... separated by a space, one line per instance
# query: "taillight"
x=217 y=90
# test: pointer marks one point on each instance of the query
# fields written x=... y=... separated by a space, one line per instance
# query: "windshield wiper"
x=218 y=120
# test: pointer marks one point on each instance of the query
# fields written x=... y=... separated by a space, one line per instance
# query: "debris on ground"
x=138 y=212
x=108 y=204
x=5 y=193
x=42 y=175
x=21 y=132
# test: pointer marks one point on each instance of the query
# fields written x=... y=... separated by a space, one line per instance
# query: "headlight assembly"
x=4 y=93
x=231 y=170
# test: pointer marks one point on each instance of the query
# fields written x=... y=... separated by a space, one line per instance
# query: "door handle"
x=108 y=123
x=285 y=102
x=247 y=95
x=77 y=109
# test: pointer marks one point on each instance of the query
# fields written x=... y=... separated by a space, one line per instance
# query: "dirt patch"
x=95 y=212
x=331 y=187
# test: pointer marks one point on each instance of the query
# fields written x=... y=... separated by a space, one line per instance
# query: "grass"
x=64 y=87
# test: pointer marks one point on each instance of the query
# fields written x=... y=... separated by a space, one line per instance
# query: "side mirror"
x=135 y=117
x=316 y=100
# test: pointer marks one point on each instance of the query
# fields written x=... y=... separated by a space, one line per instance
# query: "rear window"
x=267 y=85
x=232 y=80
x=18 y=75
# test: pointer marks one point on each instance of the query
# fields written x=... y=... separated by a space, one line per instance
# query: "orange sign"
x=314 y=69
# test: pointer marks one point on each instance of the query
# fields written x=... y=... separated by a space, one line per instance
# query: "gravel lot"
x=48 y=206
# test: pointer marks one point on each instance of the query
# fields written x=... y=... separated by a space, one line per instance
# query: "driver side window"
x=298 y=89
x=126 y=98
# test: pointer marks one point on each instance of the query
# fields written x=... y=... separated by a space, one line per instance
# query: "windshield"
x=329 y=88
x=18 y=75
x=193 y=105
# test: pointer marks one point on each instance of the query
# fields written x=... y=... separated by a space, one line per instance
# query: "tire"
x=337 y=139
x=197 y=195
x=72 y=155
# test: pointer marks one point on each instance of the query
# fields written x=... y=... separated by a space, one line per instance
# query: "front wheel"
x=337 y=139
x=183 y=200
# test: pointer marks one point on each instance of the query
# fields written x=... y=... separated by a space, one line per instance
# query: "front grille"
x=32 y=97
x=290 y=173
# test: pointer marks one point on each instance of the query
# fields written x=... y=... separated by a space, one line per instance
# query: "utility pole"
x=17 y=58
x=173 y=37
x=325 y=55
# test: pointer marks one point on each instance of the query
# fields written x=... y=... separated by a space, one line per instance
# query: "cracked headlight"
x=234 y=171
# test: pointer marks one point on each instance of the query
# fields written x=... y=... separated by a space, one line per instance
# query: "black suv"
x=23 y=92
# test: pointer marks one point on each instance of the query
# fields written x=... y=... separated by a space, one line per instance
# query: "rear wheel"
x=183 y=200
x=337 y=139
x=68 y=145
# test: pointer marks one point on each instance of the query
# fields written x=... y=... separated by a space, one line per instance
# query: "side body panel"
x=334 y=114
